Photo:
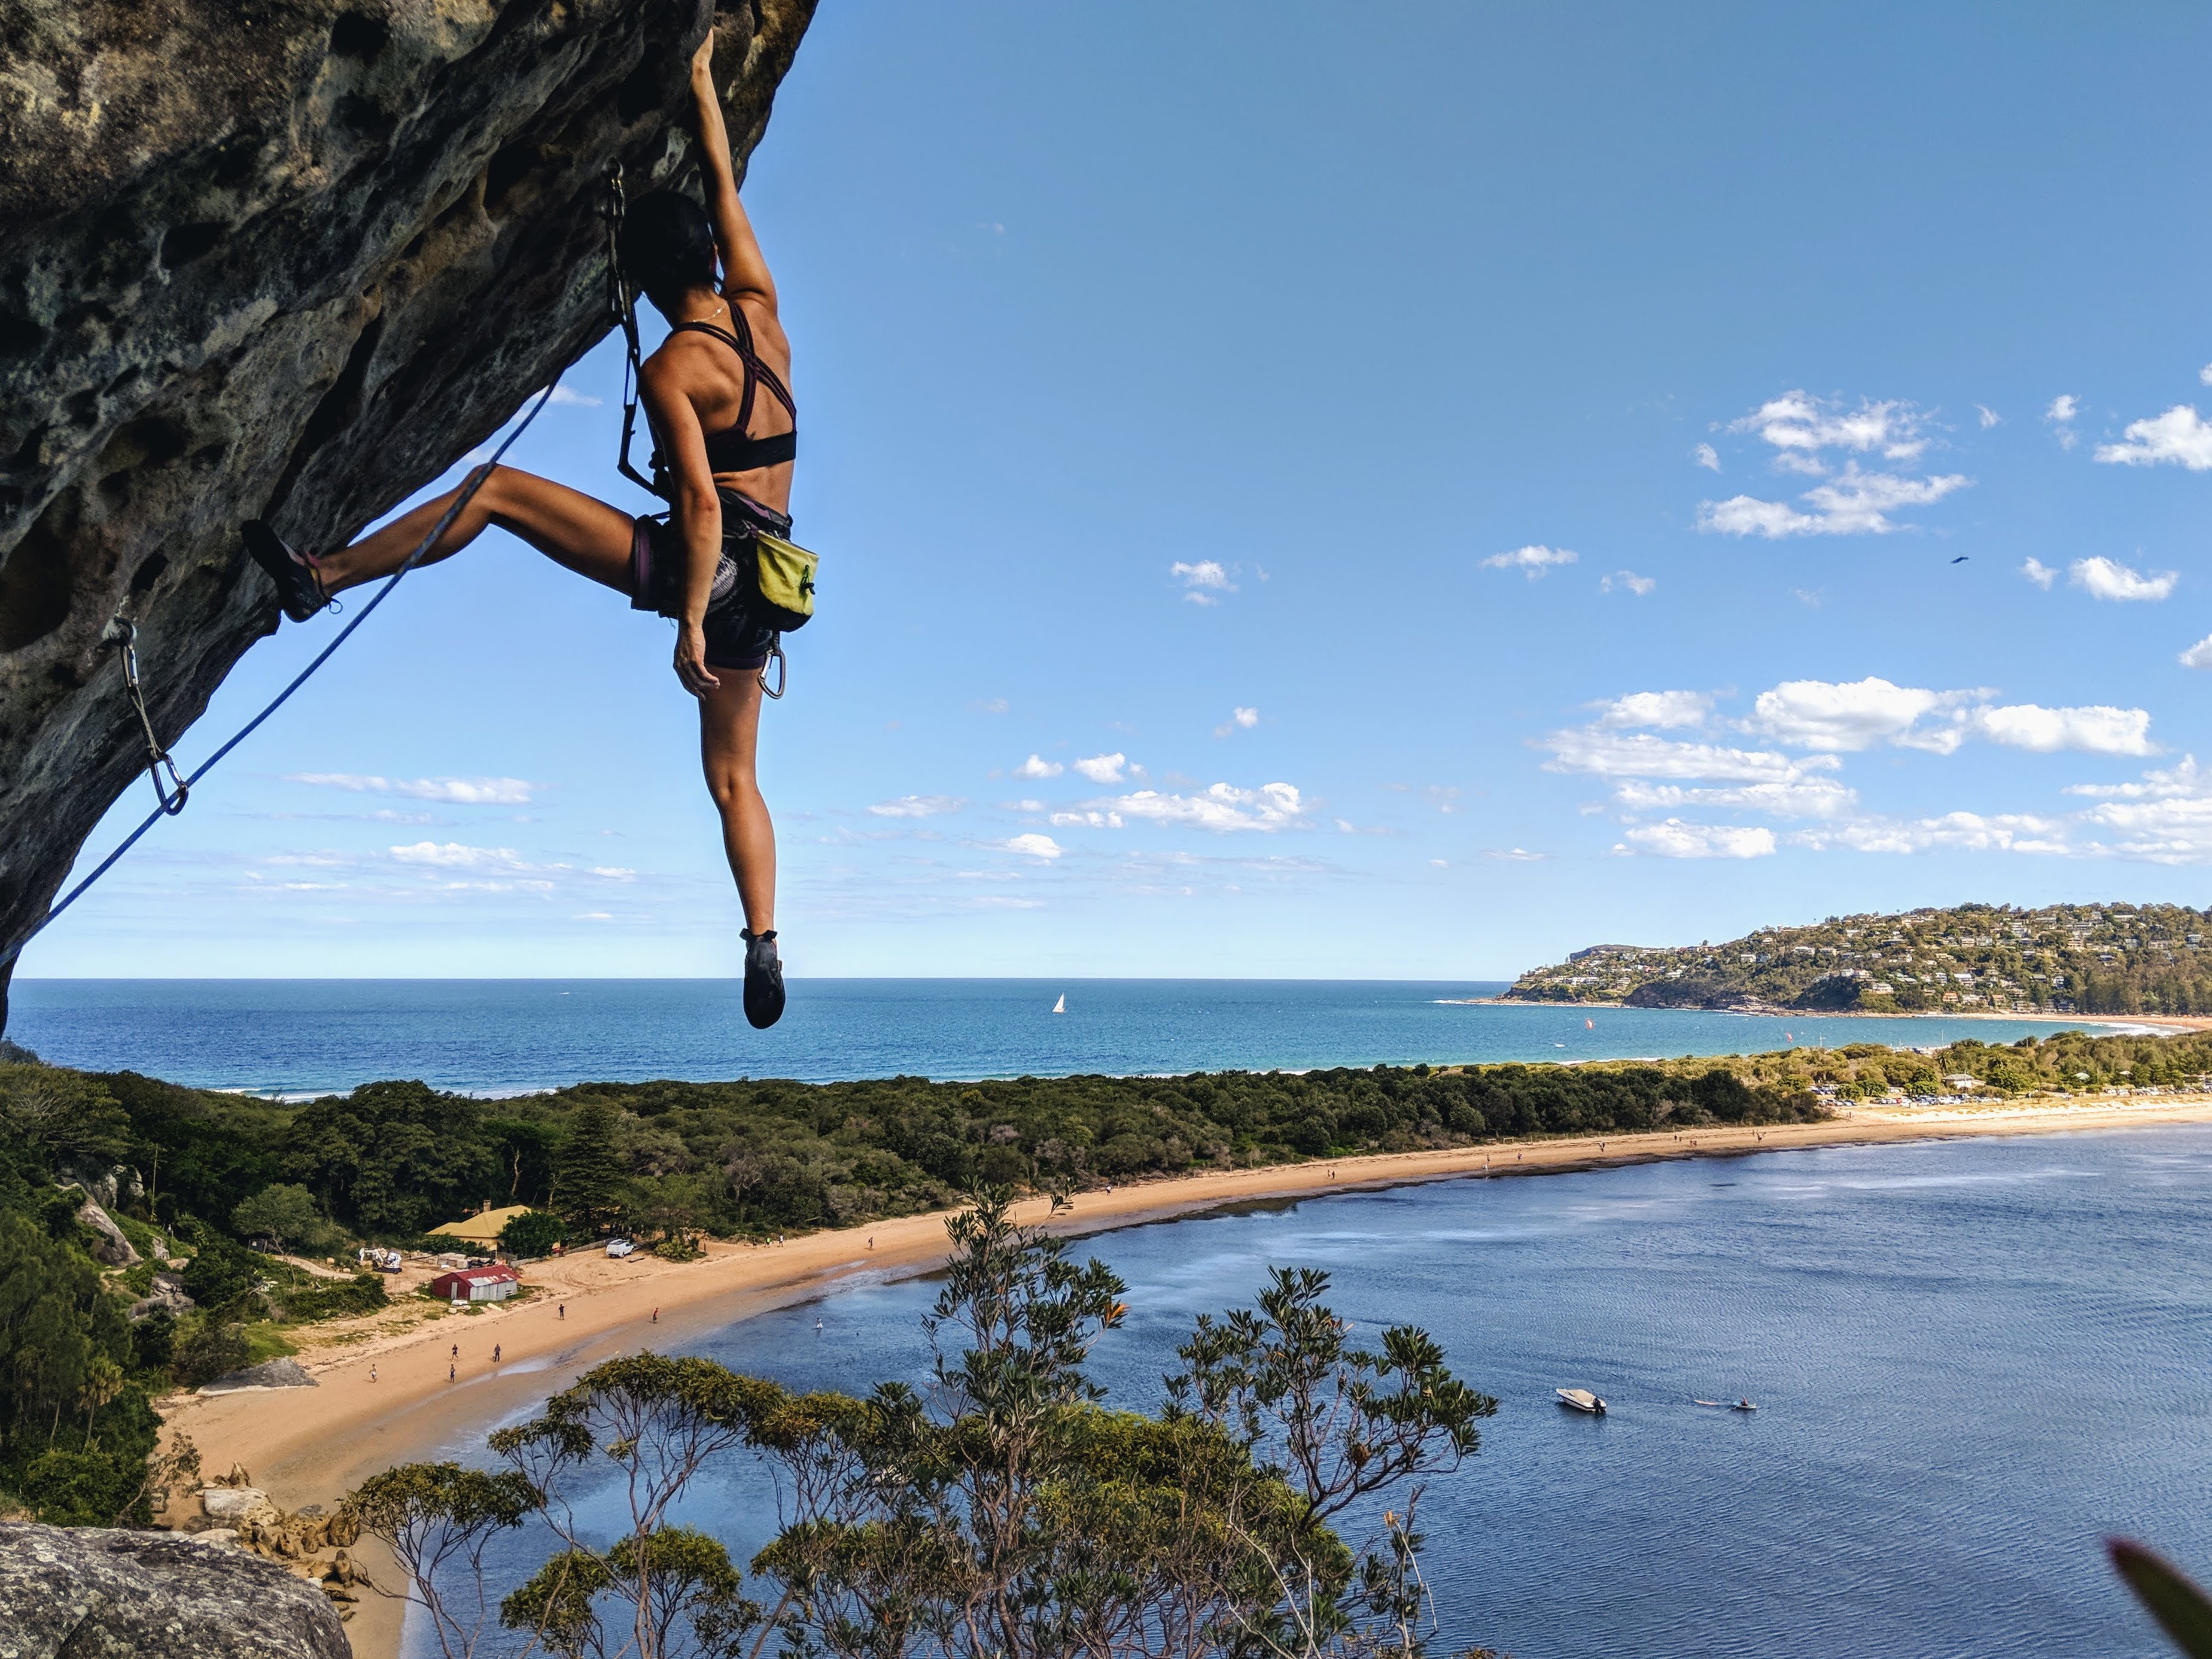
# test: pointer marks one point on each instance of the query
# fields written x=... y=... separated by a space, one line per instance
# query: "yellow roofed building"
x=483 y=1228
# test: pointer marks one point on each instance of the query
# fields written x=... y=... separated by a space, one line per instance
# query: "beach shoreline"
x=2118 y=1024
x=306 y=1446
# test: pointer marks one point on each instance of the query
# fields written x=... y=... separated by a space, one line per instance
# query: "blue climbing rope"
x=171 y=806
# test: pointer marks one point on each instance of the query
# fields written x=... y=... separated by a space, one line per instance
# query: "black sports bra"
x=731 y=450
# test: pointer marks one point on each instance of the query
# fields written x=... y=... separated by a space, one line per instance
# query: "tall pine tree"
x=588 y=1181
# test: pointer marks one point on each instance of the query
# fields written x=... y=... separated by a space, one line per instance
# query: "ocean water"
x=504 y=1036
x=1972 y=1360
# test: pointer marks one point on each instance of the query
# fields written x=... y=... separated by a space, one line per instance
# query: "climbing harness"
x=123 y=633
x=173 y=804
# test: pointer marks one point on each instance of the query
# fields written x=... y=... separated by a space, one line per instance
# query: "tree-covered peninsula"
x=2060 y=958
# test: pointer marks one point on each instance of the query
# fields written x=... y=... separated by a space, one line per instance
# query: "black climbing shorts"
x=735 y=639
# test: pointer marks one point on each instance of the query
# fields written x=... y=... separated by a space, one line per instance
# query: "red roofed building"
x=494 y=1283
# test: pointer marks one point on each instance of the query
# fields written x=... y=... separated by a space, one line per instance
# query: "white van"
x=620 y=1246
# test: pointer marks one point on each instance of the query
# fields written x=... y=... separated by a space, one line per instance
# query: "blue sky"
x=1400 y=493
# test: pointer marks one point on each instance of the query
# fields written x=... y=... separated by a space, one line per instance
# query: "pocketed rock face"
x=88 y=1593
x=284 y=258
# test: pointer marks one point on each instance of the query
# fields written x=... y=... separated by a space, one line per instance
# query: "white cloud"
x=1103 y=768
x=453 y=854
x=1638 y=585
x=1857 y=503
x=1819 y=714
x=1033 y=845
x=1516 y=855
x=1797 y=423
x=2198 y=655
x=1534 y=560
x=1961 y=832
x=1707 y=457
x=1036 y=767
x=2098 y=729
x=1676 y=839
x=1990 y=417
x=574 y=399
x=2040 y=573
x=987 y=706
x=2063 y=408
x=1804 y=797
x=1668 y=711
x=1239 y=720
x=2181 y=781
x=614 y=873
x=1086 y=820
x=917 y=806
x=457 y=791
x=2205 y=374
x=2180 y=435
x=2106 y=578
x=1203 y=580
x=1601 y=753
x=1223 y=807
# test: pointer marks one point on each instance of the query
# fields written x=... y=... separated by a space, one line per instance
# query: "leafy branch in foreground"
x=437 y=1519
x=1004 y=1512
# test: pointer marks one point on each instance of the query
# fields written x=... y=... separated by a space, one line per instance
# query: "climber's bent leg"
x=568 y=527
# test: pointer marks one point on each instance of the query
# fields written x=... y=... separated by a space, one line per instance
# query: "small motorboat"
x=1581 y=1400
x=1729 y=1405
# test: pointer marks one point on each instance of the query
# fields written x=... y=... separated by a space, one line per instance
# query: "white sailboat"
x=1060 y=1007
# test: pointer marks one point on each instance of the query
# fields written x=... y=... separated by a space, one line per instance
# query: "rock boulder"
x=284 y=261
x=89 y=1593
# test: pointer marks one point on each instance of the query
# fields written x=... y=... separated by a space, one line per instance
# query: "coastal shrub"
x=1005 y=1509
x=317 y=1299
x=222 y=1274
x=680 y=1247
x=533 y=1234
x=211 y=1348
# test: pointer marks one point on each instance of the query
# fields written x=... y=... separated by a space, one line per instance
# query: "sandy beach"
x=312 y=1445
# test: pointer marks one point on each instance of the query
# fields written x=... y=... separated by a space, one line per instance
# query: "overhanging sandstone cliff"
x=286 y=258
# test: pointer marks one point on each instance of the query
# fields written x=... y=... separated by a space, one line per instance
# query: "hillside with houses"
x=2058 y=959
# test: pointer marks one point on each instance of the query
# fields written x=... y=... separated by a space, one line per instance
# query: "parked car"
x=620 y=1246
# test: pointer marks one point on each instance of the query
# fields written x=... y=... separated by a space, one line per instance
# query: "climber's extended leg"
x=568 y=527
x=729 y=734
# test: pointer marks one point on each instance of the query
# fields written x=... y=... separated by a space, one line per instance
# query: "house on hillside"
x=495 y=1283
x=483 y=1228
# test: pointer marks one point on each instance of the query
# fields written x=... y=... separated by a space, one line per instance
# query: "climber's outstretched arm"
x=744 y=272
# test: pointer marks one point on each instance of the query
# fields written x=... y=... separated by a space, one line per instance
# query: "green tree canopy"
x=284 y=1212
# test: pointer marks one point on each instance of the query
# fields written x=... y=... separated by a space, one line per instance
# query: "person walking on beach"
x=495 y=1353
x=726 y=427
x=561 y=1310
x=450 y=1372
x=372 y=1373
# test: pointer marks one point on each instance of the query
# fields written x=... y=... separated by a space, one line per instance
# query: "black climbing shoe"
x=763 y=980
x=298 y=586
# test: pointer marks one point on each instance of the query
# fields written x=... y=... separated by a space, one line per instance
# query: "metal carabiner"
x=782 y=671
x=123 y=633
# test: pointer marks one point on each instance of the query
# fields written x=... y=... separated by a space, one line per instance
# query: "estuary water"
x=507 y=1036
x=1972 y=1362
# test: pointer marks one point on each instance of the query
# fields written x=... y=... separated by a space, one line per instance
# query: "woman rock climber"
x=726 y=430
